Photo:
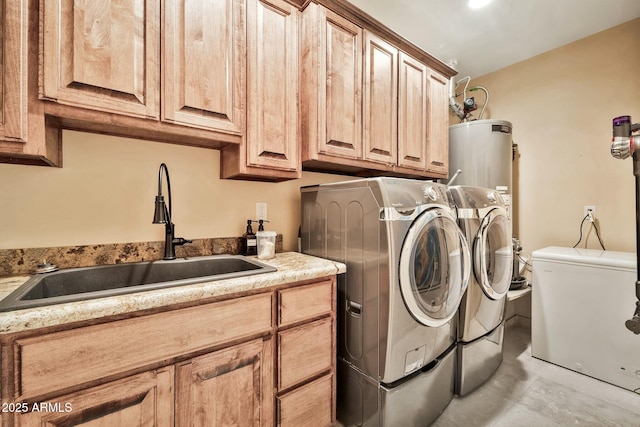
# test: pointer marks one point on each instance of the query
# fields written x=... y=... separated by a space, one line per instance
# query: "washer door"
x=434 y=267
x=493 y=254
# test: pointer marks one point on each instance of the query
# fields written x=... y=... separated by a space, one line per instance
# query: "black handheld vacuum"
x=625 y=145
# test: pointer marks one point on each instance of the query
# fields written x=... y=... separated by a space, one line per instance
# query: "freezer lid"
x=586 y=257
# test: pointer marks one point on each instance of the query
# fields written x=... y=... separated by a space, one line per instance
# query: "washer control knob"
x=431 y=193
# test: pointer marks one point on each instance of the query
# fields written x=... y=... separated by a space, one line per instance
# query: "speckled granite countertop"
x=292 y=267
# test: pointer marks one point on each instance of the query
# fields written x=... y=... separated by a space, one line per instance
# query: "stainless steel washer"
x=483 y=218
x=408 y=266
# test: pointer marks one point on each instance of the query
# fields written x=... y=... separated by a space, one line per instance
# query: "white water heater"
x=482 y=150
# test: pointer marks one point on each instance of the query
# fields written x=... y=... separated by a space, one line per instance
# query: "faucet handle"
x=179 y=241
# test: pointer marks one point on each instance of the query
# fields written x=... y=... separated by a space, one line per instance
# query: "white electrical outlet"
x=261 y=211
x=589 y=208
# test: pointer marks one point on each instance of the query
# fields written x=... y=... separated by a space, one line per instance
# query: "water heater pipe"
x=454 y=105
x=486 y=101
x=453 y=178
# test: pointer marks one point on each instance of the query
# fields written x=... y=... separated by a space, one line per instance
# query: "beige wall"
x=106 y=190
x=561 y=104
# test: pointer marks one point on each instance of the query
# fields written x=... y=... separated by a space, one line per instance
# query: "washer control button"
x=431 y=193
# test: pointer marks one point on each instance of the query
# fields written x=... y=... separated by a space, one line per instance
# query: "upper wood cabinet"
x=272 y=91
x=331 y=90
x=438 y=124
x=102 y=54
x=413 y=114
x=380 y=101
x=13 y=85
x=204 y=63
x=270 y=147
x=170 y=70
x=368 y=107
x=273 y=88
x=23 y=127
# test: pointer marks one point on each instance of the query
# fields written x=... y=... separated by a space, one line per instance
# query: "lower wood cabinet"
x=232 y=362
x=140 y=400
x=230 y=387
x=306 y=355
x=303 y=352
x=308 y=406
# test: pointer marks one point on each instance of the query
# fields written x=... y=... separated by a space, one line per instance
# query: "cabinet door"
x=272 y=73
x=380 y=100
x=308 y=406
x=331 y=87
x=25 y=136
x=412 y=113
x=142 y=400
x=438 y=125
x=13 y=69
x=342 y=104
x=233 y=386
x=203 y=63
x=102 y=54
x=304 y=351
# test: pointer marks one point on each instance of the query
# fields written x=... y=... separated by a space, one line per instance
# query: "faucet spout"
x=162 y=215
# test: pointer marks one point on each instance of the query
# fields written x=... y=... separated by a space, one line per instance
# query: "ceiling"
x=502 y=33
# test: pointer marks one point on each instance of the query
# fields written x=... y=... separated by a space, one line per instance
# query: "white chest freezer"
x=580 y=301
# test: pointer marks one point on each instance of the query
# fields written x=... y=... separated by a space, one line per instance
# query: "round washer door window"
x=493 y=254
x=434 y=267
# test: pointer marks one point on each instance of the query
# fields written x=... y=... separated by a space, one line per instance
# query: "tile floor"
x=529 y=392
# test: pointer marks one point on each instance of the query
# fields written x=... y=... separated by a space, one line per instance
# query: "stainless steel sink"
x=77 y=284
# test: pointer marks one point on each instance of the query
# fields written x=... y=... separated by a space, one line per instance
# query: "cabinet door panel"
x=308 y=406
x=412 y=113
x=438 y=129
x=304 y=302
x=143 y=400
x=380 y=100
x=13 y=59
x=233 y=386
x=343 y=94
x=272 y=69
x=204 y=63
x=102 y=54
x=304 y=351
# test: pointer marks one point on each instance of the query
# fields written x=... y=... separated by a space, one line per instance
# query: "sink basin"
x=84 y=283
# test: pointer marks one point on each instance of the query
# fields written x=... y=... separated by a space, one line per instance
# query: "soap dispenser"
x=249 y=242
x=261 y=224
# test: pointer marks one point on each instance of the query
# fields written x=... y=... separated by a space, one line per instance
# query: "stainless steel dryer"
x=408 y=265
x=483 y=218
